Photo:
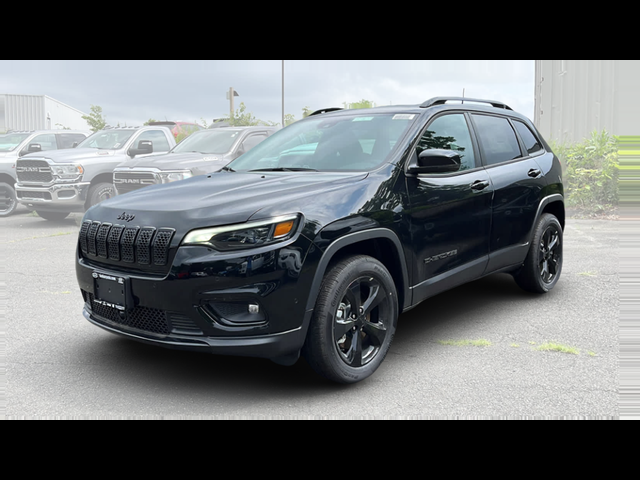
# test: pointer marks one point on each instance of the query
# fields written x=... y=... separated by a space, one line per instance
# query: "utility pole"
x=230 y=94
x=282 y=93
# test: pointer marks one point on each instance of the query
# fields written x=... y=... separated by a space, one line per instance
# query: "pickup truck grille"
x=129 y=181
x=35 y=171
x=141 y=246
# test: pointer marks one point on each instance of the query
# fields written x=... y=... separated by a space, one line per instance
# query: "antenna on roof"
x=463 y=95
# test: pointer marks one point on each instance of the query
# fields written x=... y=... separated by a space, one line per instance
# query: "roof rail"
x=325 y=110
x=443 y=100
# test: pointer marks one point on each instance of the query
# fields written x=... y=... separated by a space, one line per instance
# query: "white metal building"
x=38 y=112
x=575 y=97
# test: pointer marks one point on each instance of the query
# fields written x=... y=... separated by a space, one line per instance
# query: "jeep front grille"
x=130 y=245
x=33 y=171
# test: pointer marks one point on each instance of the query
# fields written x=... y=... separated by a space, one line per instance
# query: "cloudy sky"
x=132 y=91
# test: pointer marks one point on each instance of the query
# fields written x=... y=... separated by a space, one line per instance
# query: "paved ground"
x=60 y=366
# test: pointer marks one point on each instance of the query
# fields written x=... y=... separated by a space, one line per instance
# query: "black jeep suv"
x=319 y=237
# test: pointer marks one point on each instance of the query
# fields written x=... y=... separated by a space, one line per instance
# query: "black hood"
x=222 y=198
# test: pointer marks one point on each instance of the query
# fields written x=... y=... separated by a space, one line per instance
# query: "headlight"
x=67 y=171
x=168 y=177
x=248 y=235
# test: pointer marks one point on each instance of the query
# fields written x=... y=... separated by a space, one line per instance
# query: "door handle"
x=479 y=184
x=534 y=172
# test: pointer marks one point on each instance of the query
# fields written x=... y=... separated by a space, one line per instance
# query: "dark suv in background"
x=317 y=239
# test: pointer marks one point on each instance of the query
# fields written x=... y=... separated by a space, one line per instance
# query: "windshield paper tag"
x=403 y=116
x=362 y=119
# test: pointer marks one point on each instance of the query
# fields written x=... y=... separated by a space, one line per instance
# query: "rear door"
x=517 y=182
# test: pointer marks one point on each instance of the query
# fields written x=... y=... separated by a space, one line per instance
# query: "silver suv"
x=57 y=183
x=15 y=144
x=203 y=152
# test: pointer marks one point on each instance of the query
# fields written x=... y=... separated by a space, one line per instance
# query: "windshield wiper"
x=227 y=169
x=284 y=169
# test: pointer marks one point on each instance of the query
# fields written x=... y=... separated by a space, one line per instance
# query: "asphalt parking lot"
x=472 y=352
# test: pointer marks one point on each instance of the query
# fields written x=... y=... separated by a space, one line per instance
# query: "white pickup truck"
x=56 y=183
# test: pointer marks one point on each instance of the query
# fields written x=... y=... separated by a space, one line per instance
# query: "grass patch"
x=532 y=343
x=556 y=347
x=462 y=343
x=515 y=345
x=591 y=354
x=588 y=274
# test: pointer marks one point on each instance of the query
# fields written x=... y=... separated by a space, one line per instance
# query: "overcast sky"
x=132 y=91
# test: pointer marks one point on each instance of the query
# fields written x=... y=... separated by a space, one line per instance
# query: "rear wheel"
x=52 y=216
x=354 y=320
x=542 y=267
x=8 y=203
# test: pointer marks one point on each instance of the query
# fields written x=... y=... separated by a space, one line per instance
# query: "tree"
x=95 y=120
x=150 y=121
x=246 y=119
x=361 y=104
x=306 y=111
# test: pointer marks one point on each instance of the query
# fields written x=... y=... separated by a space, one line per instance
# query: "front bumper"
x=201 y=301
x=61 y=196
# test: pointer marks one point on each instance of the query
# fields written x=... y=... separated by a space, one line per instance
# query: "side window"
x=497 y=139
x=531 y=143
x=65 y=140
x=449 y=132
x=159 y=139
x=47 y=141
x=252 y=141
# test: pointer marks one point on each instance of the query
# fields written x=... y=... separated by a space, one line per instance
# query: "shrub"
x=590 y=173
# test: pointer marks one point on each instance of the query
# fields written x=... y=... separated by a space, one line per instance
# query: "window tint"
x=449 y=132
x=159 y=139
x=530 y=141
x=497 y=139
x=252 y=141
x=47 y=141
x=65 y=140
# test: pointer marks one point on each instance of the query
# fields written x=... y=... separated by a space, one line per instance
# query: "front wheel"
x=354 y=320
x=542 y=267
x=8 y=203
x=99 y=192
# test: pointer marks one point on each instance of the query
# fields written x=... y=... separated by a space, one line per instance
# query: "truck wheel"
x=543 y=264
x=354 y=320
x=8 y=203
x=100 y=192
x=52 y=216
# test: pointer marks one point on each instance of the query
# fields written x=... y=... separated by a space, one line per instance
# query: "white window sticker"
x=362 y=119
x=404 y=116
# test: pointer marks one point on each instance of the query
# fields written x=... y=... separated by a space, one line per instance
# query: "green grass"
x=515 y=345
x=556 y=347
x=588 y=274
x=461 y=343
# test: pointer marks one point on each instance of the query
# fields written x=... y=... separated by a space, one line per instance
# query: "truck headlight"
x=69 y=171
x=247 y=235
x=168 y=177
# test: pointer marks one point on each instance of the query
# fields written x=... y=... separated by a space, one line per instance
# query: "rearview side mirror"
x=436 y=161
x=33 y=147
x=144 y=147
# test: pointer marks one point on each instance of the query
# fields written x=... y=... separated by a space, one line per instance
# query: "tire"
x=8 y=202
x=100 y=192
x=346 y=349
x=543 y=265
x=52 y=216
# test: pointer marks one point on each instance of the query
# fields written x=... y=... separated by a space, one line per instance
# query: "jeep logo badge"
x=126 y=217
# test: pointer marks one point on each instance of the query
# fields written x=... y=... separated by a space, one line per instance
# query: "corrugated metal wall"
x=575 y=97
x=23 y=112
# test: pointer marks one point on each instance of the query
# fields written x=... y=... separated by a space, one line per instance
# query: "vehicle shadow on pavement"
x=250 y=380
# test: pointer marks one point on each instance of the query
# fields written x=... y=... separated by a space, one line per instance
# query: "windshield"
x=209 y=141
x=356 y=142
x=10 y=141
x=106 y=139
